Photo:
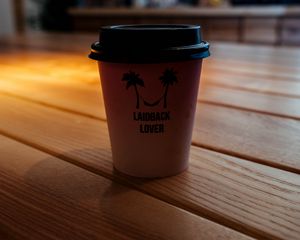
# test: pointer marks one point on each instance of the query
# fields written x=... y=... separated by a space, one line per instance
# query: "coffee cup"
x=150 y=78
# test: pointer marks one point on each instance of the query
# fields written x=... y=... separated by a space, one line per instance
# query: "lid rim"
x=202 y=46
x=133 y=60
x=151 y=27
x=150 y=57
x=150 y=41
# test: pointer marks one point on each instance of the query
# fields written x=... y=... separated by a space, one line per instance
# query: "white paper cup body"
x=150 y=112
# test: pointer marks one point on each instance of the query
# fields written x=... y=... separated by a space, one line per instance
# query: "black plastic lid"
x=149 y=43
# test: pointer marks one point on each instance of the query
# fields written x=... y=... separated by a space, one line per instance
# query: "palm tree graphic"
x=168 y=78
x=133 y=79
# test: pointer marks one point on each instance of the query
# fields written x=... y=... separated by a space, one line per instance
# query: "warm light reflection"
x=48 y=66
x=70 y=80
x=63 y=77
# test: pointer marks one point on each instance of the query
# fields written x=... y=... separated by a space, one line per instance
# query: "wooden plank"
x=275 y=63
x=291 y=31
x=49 y=67
x=222 y=29
x=68 y=43
x=252 y=83
x=257 y=137
x=77 y=88
x=204 y=11
x=65 y=72
x=281 y=106
x=254 y=69
x=252 y=198
x=67 y=66
x=19 y=15
x=47 y=60
x=260 y=30
x=270 y=64
x=73 y=96
x=61 y=42
x=277 y=150
x=281 y=99
x=278 y=55
x=43 y=197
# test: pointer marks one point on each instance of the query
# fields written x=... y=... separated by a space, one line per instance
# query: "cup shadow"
x=108 y=201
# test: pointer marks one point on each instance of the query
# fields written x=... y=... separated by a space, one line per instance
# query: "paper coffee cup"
x=150 y=78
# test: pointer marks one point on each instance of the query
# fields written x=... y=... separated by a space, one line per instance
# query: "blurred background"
x=268 y=22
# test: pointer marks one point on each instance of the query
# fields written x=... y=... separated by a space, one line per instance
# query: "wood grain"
x=87 y=99
x=254 y=60
x=238 y=60
x=49 y=67
x=278 y=150
x=254 y=69
x=260 y=30
x=77 y=88
x=66 y=69
x=247 y=53
x=255 y=199
x=43 y=197
x=185 y=11
x=279 y=56
x=265 y=139
x=281 y=87
x=31 y=41
x=276 y=105
x=73 y=96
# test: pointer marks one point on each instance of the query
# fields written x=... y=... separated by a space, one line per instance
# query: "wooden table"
x=56 y=175
x=263 y=24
